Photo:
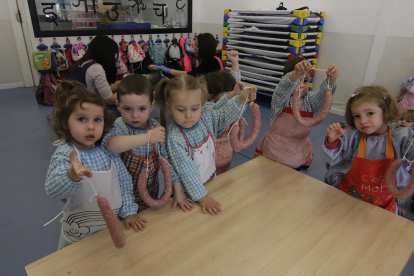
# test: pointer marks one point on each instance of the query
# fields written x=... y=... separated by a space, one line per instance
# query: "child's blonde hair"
x=407 y=115
x=167 y=89
x=67 y=96
x=373 y=93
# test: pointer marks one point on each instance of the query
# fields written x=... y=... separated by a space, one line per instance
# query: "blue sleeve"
x=129 y=207
x=316 y=99
x=407 y=84
x=118 y=128
x=281 y=95
x=184 y=165
x=236 y=75
x=222 y=117
x=58 y=184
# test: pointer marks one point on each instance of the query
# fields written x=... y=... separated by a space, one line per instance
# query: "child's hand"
x=238 y=88
x=333 y=72
x=185 y=203
x=233 y=56
x=334 y=132
x=210 y=205
x=136 y=222
x=77 y=168
x=249 y=93
x=157 y=135
x=303 y=67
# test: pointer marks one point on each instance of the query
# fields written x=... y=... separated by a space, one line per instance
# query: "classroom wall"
x=10 y=72
x=370 y=40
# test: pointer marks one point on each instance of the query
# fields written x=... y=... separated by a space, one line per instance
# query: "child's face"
x=135 y=109
x=305 y=84
x=86 y=125
x=368 y=118
x=402 y=122
x=186 y=108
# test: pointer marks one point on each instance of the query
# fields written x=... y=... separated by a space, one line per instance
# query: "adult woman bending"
x=97 y=69
x=205 y=51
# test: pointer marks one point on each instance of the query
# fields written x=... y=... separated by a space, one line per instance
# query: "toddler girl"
x=406 y=119
x=130 y=133
x=360 y=156
x=406 y=94
x=79 y=120
x=287 y=141
x=190 y=140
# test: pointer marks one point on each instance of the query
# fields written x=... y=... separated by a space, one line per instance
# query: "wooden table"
x=275 y=221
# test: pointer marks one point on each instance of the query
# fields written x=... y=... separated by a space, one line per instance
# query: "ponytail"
x=160 y=97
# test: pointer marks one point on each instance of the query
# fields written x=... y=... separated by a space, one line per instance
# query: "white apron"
x=203 y=156
x=82 y=217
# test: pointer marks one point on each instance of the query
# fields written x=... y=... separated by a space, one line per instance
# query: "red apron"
x=365 y=179
x=286 y=141
x=135 y=165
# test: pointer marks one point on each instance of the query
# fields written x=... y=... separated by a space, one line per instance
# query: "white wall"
x=370 y=40
x=10 y=70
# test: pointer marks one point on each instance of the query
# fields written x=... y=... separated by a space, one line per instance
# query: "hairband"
x=353 y=95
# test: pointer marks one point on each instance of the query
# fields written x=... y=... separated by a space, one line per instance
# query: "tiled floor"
x=26 y=148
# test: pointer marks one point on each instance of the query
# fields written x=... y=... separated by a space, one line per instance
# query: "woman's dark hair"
x=67 y=97
x=135 y=84
x=207 y=45
x=104 y=51
x=219 y=82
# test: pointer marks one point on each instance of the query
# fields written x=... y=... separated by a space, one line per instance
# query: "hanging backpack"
x=187 y=63
x=121 y=67
x=62 y=62
x=78 y=50
x=174 y=52
x=45 y=93
x=135 y=53
x=189 y=46
x=44 y=61
x=156 y=52
x=182 y=43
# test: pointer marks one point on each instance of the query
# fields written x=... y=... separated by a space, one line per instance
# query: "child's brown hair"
x=135 y=84
x=291 y=63
x=167 y=89
x=407 y=115
x=67 y=96
x=373 y=93
x=220 y=81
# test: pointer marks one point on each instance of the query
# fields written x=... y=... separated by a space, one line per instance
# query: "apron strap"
x=388 y=148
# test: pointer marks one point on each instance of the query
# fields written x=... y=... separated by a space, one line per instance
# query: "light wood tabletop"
x=275 y=221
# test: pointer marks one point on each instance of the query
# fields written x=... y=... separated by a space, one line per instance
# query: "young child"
x=361 y=155
x=79 y=120
x=220 y=83
x=130 y=133
x=405 y=96
x=406 y=120
x=190 y=140
x=287 y=141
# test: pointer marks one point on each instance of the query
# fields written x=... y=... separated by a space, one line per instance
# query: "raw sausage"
x=142 y=186
x=322 y=115
x=239 y=144
x=112 y=222
x=390 y=181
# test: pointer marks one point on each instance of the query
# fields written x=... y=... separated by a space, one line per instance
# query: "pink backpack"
x=121 y=67
x=78 y=50
x=135 y=53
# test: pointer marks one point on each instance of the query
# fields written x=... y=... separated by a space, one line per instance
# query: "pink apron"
x=286 y=141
